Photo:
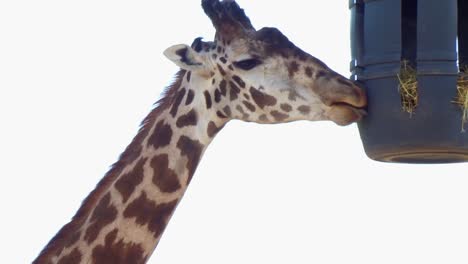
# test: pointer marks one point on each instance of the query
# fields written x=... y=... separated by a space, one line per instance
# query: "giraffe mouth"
x=359 y=108
x=343 y=113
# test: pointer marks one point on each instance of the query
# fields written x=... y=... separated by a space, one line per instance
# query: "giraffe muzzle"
x=344 y=114
x=352 y=97
x=349 y=107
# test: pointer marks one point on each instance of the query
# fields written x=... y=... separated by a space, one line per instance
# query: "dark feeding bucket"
x=388 y=37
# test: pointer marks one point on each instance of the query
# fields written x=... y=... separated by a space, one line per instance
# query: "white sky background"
x=76 y=79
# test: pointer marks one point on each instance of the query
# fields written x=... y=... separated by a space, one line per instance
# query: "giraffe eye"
x=247 y=64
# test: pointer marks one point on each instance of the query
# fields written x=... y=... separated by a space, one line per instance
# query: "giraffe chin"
x=345 y=114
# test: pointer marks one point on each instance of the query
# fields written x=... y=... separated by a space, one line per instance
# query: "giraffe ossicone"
x=247 y=74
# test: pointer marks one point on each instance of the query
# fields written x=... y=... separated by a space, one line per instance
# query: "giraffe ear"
x=185 y=57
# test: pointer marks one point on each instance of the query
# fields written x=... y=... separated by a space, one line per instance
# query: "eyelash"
x=247 y=64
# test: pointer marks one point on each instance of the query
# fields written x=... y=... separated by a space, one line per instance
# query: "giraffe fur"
x=245 y=74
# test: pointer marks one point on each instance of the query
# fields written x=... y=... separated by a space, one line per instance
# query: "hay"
x=462 y=95
x=408 y=87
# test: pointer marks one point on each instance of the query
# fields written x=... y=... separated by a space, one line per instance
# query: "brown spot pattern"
x=304 y=109
x=263 y=118
x=164 y=177
x=75 y=236
x=227 y=110
x=103 y=214
x=262 y=99
x=234 y=91
x=278 y=116
x=286 y=107
x=207 y=99
x=239 y=81
x=69 y=232
x=309 y=72
x=189 y=75
x=217 y=96
x=147 y=212
x=241 y=110
x=222 y=87
x=175 y=106
x=74 y=257
x=220 y=114
x=127 y=183
x=322 y=74
x=292 y=96
x=192 y=149
x=249 y=106
x=223 y=60
x=190 y=96
x=221 y=70
x=189 y=119
x=293 y=67
x=118 y=252
x=161 y=136
x=213 y=129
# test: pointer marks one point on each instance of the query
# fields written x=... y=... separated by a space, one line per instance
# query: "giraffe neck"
x=122 y=220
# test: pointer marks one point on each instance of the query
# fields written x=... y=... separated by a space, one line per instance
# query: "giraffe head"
x=261 y=76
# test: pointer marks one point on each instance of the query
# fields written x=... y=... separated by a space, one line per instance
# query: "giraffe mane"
x=68 y=233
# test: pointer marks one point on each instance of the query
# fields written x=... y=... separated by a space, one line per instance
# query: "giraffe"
x=245 y=74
